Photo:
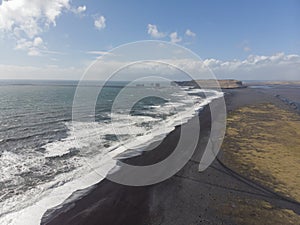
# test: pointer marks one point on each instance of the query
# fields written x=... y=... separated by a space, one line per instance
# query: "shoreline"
x=108 y=192
x=56 y=195
x=188 y=197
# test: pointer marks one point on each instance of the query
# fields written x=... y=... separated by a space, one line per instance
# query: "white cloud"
x=188 y=32
x=255 y=67
x=275 y=67
x=33 y=47
x=174 y=37
x=100 y=22
x=153 y=31
x=38 y=41
x=30 y=17
x=81 y=9
x=100 y=53
x=32 y=72
x=25 y=20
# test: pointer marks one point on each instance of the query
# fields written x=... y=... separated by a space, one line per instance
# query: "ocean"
x=42 y=162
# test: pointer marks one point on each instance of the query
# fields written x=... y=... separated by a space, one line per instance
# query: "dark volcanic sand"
x=188 y=198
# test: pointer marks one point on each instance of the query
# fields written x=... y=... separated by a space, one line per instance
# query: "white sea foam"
x=94 y=161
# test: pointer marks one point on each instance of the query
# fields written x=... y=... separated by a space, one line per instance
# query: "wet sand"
x=215 y=196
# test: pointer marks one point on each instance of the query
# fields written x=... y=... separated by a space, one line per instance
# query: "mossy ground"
x=258 y=212
x=263 y=142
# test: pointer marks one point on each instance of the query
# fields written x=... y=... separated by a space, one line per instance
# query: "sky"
x=59 y=39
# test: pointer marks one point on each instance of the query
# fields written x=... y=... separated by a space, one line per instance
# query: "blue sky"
x=62 y=32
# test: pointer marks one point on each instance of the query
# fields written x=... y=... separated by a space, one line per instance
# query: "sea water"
x=42 y=162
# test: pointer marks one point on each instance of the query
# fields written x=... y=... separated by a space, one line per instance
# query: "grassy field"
x=263 y=143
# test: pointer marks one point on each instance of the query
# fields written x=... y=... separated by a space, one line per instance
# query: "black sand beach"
x=189 y=197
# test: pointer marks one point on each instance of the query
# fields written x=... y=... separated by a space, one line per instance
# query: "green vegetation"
x=262 y=142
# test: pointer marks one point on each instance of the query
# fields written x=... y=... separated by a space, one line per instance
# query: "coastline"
x=108 y=199
x=189 y=197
